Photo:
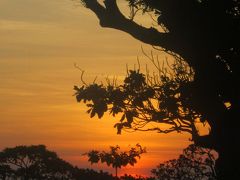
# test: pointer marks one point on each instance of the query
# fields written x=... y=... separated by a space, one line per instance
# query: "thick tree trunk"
x=224 y=139
x=4 y=176
x=213 y=84
x=227 y=164
x=116 y=175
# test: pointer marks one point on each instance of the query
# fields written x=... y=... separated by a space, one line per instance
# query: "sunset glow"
x=41 y=40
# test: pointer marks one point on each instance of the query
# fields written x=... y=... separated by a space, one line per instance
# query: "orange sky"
x=40 y=42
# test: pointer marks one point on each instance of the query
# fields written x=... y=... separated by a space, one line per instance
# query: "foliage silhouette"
x=144 y=99
x=37 y=163
x=33 y=162
x=115 y=158
x=89 y=174
x=129 y=177
x=6 y=172
x=205 y=33
x=196 y=163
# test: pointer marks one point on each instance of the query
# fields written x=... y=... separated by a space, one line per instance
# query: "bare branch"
x=82 y=73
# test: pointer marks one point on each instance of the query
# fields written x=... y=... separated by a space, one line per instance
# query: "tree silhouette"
x=205 y=33
x=37 y=163
x=6 y=172
x=196 y=163
x=90 y=174
x=115 y=158
x=144 y=100
x=33 y=162
x=130 y=177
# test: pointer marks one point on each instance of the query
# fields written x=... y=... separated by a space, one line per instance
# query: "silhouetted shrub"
x=195 y=163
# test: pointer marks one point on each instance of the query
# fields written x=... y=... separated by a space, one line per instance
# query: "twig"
x=82 y=73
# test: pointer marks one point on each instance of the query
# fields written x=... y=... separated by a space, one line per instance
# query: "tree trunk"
x=116 y=175
x=4 y=176
x=224 y=139
x=227 y=165
x=211 y=82
x=213 y=79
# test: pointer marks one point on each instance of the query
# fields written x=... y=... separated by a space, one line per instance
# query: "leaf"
x=89 y=105
x=78 y=98
x=88 y=111
x=75 y=88
x=119 y=127
x=138 y=102
x=122 y=118
x=100 y=114
x=127 y=124
x=93 y=113
x=129 y=116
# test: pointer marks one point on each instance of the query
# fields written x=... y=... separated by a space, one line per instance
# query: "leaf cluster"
x=195 y=163
x=115 y=158
x=143 y=99
x=34 y=162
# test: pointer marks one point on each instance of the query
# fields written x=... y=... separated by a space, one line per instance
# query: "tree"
x=33 y=162
x=130 y=177
x=6 y=172
x=205 y=33
x=196 y=163
x=144 y=100
x=90 y=174
x=115 y=158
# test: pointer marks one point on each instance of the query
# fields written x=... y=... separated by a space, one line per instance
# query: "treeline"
x=37 y=163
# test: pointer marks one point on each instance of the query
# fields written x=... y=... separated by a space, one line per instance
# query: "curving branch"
x=111 y=17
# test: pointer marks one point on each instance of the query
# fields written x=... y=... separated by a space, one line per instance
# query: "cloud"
x=16 y=25
x=29 y=10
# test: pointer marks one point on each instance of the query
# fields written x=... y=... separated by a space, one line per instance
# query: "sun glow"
x=40 y=42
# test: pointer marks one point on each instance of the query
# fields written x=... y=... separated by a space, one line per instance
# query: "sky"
x=40 y=41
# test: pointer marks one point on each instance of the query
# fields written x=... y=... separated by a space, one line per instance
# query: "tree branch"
x=205 y=141
x=111 y=17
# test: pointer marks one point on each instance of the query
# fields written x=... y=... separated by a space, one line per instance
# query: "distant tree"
x=6 y=172
x=115 y=158
x=90 y=174
x=33 y=162
x=37 y=163
x=196 y=163
x=205 y=33
x=130 y=177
